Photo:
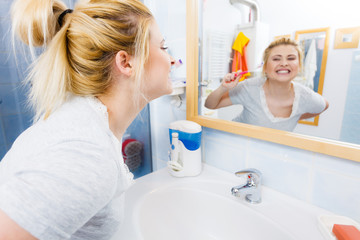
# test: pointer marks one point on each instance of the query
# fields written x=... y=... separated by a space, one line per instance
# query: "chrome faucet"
x=252 y=187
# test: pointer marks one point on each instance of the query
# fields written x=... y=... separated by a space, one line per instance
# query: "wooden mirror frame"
x=315 y=144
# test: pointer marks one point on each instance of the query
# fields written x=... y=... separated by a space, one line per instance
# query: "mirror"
x=314 y=43
x=306 y=137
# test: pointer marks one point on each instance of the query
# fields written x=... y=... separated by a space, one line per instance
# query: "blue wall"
x=140 y=130
x=14 y=116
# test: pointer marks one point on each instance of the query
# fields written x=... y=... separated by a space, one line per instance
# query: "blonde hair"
x=79 y=55
x=279 y=42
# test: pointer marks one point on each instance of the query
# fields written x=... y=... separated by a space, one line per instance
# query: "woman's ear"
x=123 y=62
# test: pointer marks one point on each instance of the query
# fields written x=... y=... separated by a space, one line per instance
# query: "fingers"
x=230 y=80
x=236 y=75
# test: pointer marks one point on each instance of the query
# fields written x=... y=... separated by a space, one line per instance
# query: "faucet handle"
x=252 y=188
x=252 y=174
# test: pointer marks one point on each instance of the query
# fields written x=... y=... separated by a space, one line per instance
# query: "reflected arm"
x=218 y=99
x=310 y=115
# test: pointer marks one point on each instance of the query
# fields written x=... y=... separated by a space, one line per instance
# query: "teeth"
x=283 y=71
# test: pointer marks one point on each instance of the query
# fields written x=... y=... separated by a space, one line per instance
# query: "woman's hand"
x=230 y=80
x=220 y=97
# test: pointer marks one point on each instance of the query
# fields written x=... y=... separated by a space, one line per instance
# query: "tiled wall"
x=328 y=182
x=14 y=116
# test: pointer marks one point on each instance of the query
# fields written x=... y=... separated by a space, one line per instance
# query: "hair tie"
x=62 y=15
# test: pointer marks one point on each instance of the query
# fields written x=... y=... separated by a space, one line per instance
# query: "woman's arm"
x=10 y=230
x=220 y=97
x=310 y=115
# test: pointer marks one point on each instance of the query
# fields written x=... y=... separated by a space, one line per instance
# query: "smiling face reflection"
x=274 y=101
x=282 y=64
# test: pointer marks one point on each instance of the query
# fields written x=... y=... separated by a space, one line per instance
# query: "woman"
x=64 y=177
x=275 y=100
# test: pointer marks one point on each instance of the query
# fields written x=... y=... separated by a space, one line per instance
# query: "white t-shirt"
x=250 y=94
x=64 y=178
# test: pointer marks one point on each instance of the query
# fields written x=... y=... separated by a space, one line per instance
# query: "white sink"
x=159 y=206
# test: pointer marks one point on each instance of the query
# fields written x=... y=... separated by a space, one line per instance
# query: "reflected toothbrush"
x=247 y=73
x=241 y=75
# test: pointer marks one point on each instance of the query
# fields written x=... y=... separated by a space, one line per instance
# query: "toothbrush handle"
x=243 y=73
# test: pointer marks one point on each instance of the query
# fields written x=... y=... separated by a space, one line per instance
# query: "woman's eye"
x=165 y=48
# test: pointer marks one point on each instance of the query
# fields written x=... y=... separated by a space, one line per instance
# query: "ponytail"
x=34 y=22
x=79 y=50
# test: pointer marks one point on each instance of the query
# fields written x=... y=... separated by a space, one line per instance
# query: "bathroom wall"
x=328 y=182
x=350 y=132
x=170 y=16
x=14 y=116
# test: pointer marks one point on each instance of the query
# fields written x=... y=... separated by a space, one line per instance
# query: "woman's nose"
x=283 y=62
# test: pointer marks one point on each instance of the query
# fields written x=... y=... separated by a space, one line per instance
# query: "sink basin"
x=159 y=206
x=190 y=213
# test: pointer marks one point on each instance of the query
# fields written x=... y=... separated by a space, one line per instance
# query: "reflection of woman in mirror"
x=274 y=100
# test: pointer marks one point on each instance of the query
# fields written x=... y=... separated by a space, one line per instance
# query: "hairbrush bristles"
x=132 y=153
